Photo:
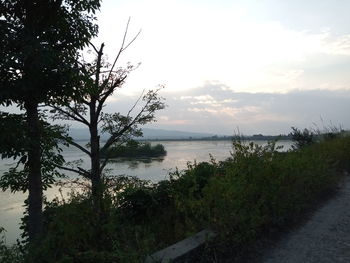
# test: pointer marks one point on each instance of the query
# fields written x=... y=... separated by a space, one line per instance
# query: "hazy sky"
x=262 y=65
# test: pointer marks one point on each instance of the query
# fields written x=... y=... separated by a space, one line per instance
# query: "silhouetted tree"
x=39 y=41
x=99 y=80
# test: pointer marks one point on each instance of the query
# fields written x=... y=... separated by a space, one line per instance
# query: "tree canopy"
x=40 y=40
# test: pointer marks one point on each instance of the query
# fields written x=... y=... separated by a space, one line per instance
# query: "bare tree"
x=98 y=81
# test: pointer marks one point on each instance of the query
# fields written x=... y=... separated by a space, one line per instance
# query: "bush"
x=10 y=254
x=255 y=189
x=262 y=187
x=302 y=138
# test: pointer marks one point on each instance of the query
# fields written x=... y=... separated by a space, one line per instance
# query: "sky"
x=262 y=66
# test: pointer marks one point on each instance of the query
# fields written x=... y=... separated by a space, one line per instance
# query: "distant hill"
x=158 y=134
x=148 y=134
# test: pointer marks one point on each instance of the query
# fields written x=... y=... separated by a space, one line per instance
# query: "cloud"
x=169 y=121
x=250 y=47
x=226 y=111
x=336 y=45
x=252 y=113
x=263 y=66
x=269 y=113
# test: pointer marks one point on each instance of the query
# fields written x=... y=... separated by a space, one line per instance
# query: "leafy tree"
x=15 y=146
x=99 y=80
x=38 y=45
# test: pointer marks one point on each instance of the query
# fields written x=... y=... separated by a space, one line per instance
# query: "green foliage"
x=129 y=228
x=135 y=149
x=39 y=42
x=14 y=144
x=302 y=138
x=9 y=254
x=255 y=189
x=262 y=187
x=307 y=137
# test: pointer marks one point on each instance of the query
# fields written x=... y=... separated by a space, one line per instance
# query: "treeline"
x=256 y=137
x=314 y=133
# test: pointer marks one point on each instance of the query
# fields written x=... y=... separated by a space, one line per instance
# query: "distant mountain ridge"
x=159 y=134
x=148 y=134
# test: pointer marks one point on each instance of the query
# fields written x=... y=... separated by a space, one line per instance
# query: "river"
x=179 y=153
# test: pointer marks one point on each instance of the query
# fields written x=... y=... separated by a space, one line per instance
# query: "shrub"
x=258 y=187
x=10 y=254
x=302 y=138
x=262 y=187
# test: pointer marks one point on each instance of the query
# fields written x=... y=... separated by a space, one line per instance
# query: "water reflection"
x=135 y=163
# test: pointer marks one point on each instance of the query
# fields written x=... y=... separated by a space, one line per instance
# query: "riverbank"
x=256 y=189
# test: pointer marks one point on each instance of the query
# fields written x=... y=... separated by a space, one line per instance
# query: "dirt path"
x=325 y=237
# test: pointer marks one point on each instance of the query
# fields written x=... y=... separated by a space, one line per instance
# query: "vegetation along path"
x=325 y=237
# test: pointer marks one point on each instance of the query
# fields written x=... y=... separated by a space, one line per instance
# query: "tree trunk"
x=35 y=198
x=96 y=183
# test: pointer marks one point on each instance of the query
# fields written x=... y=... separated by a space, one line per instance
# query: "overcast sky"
x=262 y=65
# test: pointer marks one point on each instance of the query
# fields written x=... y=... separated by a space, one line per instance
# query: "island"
x=135 y=149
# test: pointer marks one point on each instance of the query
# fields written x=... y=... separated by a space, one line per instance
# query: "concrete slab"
x=181 y=249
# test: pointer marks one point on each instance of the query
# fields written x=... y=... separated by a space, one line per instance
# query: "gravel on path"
x=324 y=238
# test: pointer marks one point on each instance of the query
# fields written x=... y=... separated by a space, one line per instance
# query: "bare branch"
x=136 y=119
x=75 y=111
x=81 y=171
x=105 y=95
x=122 y=48
x=132 y=40
x=77 y=146
x=112 y=86
x=125 y=32
x=98 y=67
x=120 y=132
x=115 y=136
x=137 y=102
x=103 y=165
x=70 y=115
x=93 y=46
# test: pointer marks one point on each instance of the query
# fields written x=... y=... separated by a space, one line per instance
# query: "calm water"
x=178 y=154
